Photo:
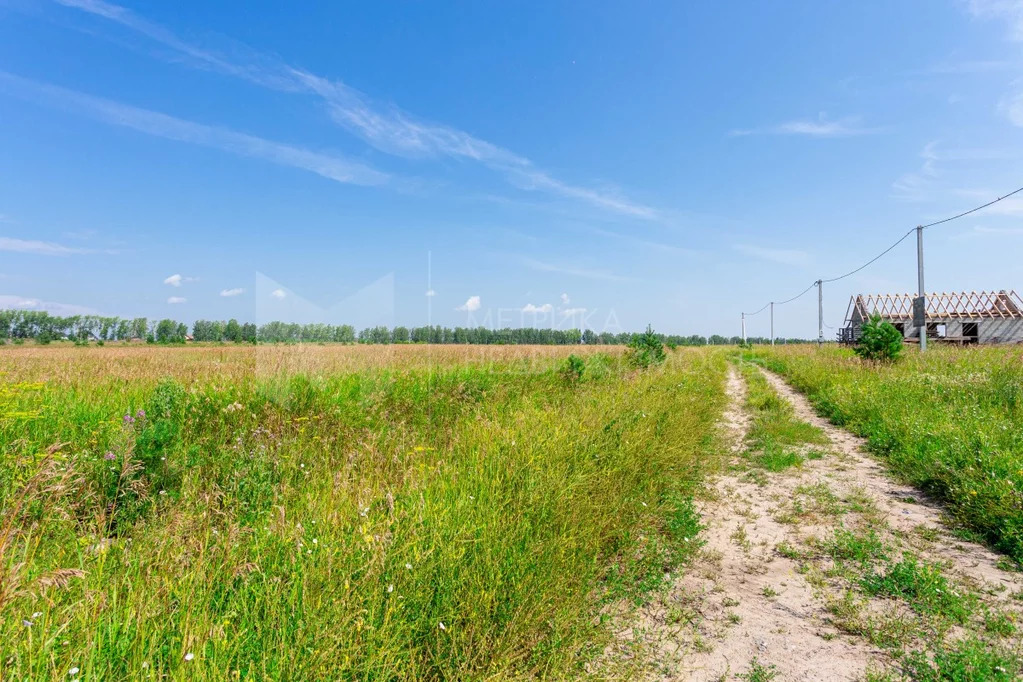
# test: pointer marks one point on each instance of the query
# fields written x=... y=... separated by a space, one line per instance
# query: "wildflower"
x=141 y=414
x=442 y=627
x=110 y=456
x=390 y=588
x=27 y=623
x=145 y=665
x=189 y=656
x=73 y=671
x=128 y=419
x=37 y=614
x=408 y=566
x=163 y=492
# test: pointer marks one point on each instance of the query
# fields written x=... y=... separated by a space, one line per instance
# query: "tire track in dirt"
x=905 y=508
x=741 y=601
x=744 y=603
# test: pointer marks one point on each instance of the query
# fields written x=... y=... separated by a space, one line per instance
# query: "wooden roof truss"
x=973 y=305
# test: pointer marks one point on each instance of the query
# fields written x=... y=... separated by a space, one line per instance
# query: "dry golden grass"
x=67 y=364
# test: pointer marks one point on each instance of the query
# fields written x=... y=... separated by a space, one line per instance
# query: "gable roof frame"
x=973 y=305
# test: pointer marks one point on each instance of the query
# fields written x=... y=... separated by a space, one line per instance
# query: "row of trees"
x=39 y=325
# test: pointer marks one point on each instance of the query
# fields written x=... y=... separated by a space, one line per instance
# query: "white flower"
x=442 y=626
x=145 y=665
x=315 y=541
x=37 y=614
x=27 y=623
x=408 y=566
x=390 y=588
x=73 y=671
x=189 y=656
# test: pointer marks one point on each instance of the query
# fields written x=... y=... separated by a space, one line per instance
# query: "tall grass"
x=205 y=515
x=949 y=421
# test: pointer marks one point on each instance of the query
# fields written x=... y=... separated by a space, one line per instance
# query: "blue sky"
x=598 y=163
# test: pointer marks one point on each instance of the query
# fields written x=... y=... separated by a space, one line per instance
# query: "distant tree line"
x=43 y=327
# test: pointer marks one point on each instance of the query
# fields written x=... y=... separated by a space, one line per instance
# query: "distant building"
x=967 y=317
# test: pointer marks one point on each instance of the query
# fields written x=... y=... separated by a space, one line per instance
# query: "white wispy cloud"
x=165 y=126
x=173 y=300
x=431 y=292
x=544 y=308
x=177 y=280
x=1010 y=11
x=783 y=256
x=42 y=248
x=470 y=305
x=576 y=271
x=979 y=229
x=565 y=300
x=973 y=66
x=1012 y=108
x=571 y=312
x=233 y=292
x=822 y=127
x=913 y=186
x=641 y=241
x=387 y=128
x=10 y=302
x=279 y=294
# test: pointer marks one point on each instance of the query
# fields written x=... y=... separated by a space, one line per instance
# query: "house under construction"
x=967 y=317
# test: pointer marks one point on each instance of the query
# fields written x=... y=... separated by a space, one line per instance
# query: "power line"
x=871 y=261
x=885 y=252
x=790 y=300
x=758 y=312
x=973 y=210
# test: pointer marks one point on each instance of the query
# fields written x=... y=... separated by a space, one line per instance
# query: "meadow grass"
x=337 y=512
x=949 y=421
x=777 y=439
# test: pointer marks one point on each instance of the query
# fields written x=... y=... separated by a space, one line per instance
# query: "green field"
x=319 y=512
x=418 y=512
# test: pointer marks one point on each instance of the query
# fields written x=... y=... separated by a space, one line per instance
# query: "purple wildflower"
x=141 y=414
x=110 y=456
x=128 y=419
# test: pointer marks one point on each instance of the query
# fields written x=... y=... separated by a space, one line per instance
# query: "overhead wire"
x=886 y=251
x=973 y=210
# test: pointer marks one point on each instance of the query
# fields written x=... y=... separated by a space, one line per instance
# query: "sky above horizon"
x=598 y=164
